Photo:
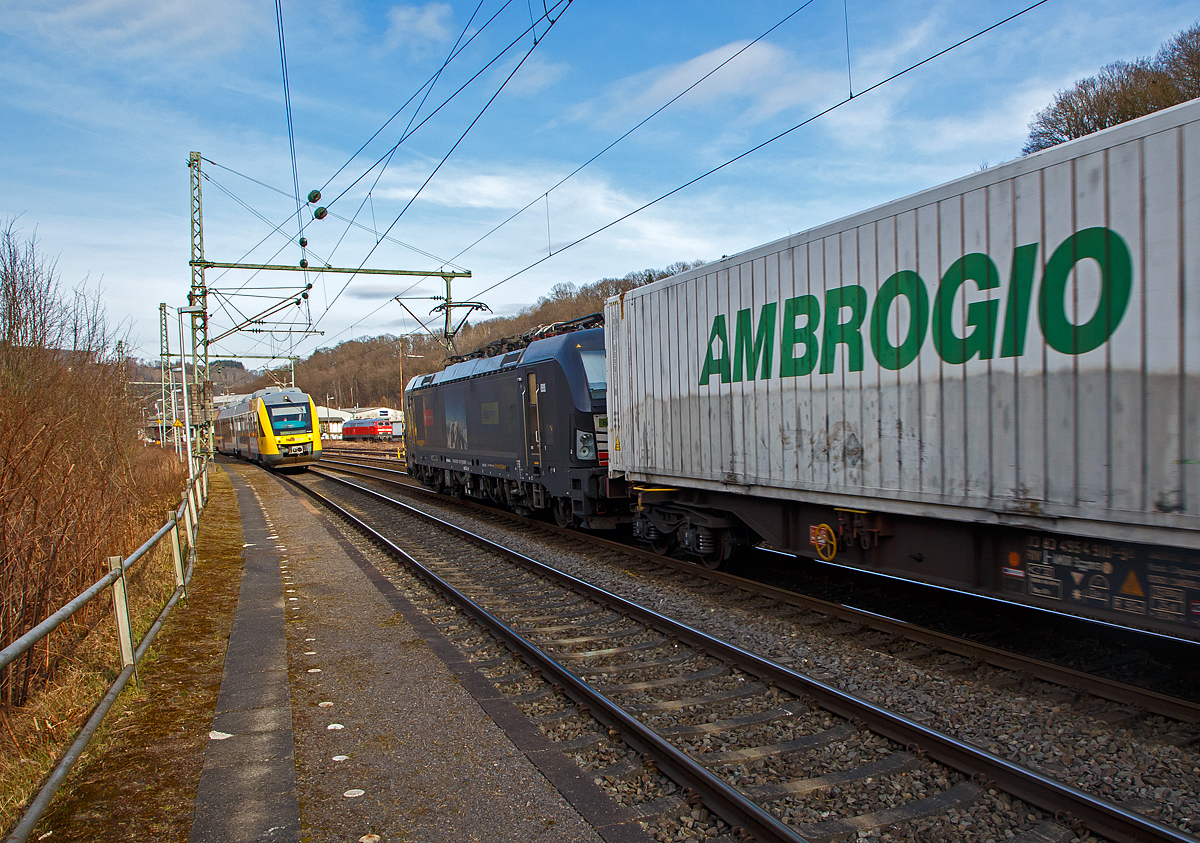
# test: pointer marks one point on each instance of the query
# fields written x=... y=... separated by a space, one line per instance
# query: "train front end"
x=289 y=434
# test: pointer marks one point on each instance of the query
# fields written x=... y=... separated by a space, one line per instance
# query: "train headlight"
x=585 y=445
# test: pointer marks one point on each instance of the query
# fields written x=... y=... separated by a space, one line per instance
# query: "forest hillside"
x=367 y=372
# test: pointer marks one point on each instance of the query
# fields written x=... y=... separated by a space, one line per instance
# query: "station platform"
x=344 y=715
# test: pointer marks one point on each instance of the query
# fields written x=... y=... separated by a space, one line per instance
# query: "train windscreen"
x=593 y=367
x=289 y=418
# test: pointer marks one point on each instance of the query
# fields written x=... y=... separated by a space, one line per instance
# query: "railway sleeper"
x=770 y=715
x=616 y=651
x=749 y=689
x=550 y=630
x=754 y=753
x=629 y=667
x=607 y=636
x=897 y=762
x=830 y=831
x=666 y=682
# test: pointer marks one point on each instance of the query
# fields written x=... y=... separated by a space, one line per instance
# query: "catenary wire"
x=430 y=255
x=429 y=86
x=444 y=103
x=650 y=117
x=414 y=96
x=759 y=146
x=287 y=104
x=299 y=215
x=565 y=4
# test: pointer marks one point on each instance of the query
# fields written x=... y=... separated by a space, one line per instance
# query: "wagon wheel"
x=663 y=543
x=716 y=559
x=563 y=516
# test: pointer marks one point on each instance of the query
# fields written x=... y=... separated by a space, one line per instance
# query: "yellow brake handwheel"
x=825 y=542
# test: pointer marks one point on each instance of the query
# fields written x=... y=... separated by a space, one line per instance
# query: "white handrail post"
x=187 y=523
x=193 y=509
x=121 y=613
x=175 y=552
x=206 y=465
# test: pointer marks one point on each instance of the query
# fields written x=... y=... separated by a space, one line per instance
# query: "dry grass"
x=76 y=486
x=138 y=779
x=88 y=659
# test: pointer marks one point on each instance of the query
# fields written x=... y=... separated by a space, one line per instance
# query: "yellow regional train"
x=275 y=427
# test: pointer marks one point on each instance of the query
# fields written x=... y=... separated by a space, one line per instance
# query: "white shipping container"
x=1020 y=346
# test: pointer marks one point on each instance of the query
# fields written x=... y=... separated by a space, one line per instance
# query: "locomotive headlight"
x=585 y=445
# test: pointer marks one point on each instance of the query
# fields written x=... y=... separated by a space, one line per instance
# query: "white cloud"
x=535 y=75
x=411 y=25
x=763 y=81
x=105 y=30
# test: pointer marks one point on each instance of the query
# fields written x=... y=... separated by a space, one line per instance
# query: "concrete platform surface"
x=338 y=719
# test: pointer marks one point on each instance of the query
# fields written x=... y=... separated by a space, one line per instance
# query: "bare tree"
x=1180 y=58
x=70 y=488
x=1120 y=92
x=372 y=364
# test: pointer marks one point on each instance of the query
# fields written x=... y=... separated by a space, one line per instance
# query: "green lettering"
x=981 y=315
x=791 y=366
x=761 y=344
x=1020 y=293
x=1116 y=282
x=908 y=284
x=716 y=365
x=843 y=333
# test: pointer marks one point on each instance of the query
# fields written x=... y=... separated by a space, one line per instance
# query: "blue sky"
x=104 y=99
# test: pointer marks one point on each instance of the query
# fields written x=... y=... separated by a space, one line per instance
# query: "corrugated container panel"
x=1189 y=234
x=1163 y=294
x=1033 y=383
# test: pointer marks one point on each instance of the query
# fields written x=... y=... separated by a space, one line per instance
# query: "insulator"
x=303 y=242
x=304 y=263
x=313 y=196
x=304 y=295
x=320 y=213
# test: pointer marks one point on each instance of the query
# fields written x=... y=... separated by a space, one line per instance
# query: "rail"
x=1074 y=806
x=1183 y=710
x=182 y=547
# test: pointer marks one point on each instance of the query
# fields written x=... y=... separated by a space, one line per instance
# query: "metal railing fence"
x=182 y=548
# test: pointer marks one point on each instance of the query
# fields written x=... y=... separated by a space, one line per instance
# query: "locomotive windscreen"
x=593 y=367
x=289 y=417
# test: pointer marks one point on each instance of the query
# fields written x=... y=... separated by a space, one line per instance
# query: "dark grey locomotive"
x=526 y=428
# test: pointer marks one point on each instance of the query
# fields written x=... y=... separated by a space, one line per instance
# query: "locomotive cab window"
x=289 y=417
x=593 y=367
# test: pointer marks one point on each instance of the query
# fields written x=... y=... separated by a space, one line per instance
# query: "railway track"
x=910 y=641
x=633 y=694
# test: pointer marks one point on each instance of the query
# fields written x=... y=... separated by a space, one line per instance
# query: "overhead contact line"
x=639 y=125
x=763 y=144
x=564 y=4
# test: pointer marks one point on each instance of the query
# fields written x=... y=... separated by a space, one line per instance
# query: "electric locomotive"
x=525 y=427
x=275 y=427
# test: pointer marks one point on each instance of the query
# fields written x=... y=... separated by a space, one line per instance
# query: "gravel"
x=1137 y=760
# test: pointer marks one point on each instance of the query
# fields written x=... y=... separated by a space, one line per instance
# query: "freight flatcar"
x=525 y=428
x=992 y=385
x=274 y=427
x=367 y=430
